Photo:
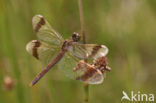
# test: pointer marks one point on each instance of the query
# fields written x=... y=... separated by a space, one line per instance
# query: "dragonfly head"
x=76 y=37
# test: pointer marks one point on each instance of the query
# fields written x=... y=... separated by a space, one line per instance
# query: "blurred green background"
x=126 y=27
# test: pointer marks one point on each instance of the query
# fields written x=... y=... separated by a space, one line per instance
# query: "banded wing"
x=42 y=51
x=45 y=32
x=46 y=48
x=90 y=51
x=90 y=75
x=79 y=70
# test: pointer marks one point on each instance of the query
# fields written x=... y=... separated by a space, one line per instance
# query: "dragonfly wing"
x=92 y=51
x=85 y=72
x=97 y=78
x=45 y=32
x=42 y=51
x=91 y=75
x=66 y=65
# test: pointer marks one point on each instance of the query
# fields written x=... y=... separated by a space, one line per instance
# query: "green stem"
x=86 y=90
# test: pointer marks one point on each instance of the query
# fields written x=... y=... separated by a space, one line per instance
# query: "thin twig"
x=82 y=21
x=86 y=86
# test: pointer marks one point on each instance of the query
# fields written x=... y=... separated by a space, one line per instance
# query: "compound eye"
x=76 y=37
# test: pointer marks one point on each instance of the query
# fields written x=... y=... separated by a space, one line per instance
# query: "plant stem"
x=86 y=90
x=82 y=21
x=86 y=86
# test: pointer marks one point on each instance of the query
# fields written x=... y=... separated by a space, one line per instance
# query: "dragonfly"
x=51 y=48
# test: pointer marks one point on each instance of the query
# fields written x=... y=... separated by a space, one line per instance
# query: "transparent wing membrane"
x=90 y=74
x=92 y=51
x=42 y=51
x=66 y=65
x=78 y=70
x=49 y=43
x=45 y=32
x=97 y=78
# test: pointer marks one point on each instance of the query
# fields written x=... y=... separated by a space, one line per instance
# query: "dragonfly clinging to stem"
x=51 y=48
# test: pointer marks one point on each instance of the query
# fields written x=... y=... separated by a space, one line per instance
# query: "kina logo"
x=137 y=96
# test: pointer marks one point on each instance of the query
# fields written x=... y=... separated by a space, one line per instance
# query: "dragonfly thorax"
x=67 y=44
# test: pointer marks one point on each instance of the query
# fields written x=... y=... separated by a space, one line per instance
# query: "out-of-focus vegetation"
x=126 y=27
